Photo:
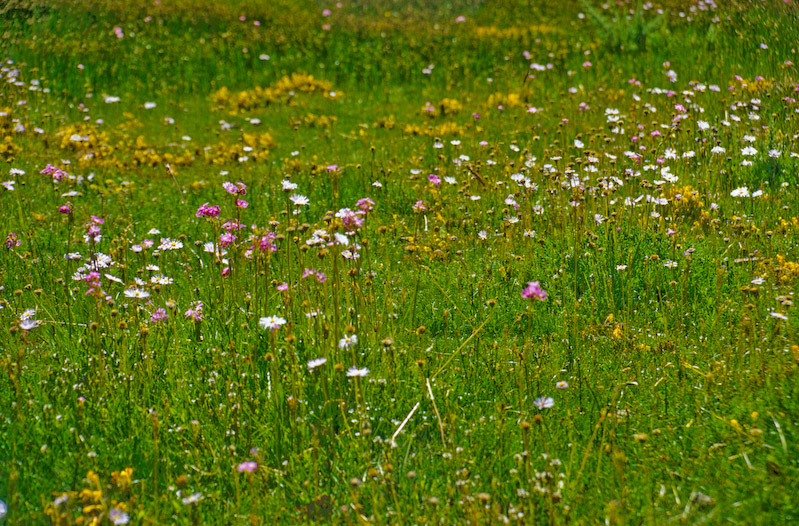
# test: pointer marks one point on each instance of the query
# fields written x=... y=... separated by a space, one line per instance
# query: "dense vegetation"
x=399 y=262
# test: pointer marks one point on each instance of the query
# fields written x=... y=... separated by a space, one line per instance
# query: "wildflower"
x=779 y=316
x=194 y=498
x=282 y=287
x=365 y=204
x=349 y=340
x=170 y=244
x=226 y=239
x=670 y=264
x=534 y=291
x=65 y=208
x=195 y=312
x=117 y=516
x=247 y=467
x=544 y=402
x=299 y=200
x=355 y=372
x=288 y=185
x=28 y=324
x=159 y=315
x=315 y=363
x=563 y=384
x=272 y=322
x=433 y=178
x=350 y=219
x=207 y=210
x=235 y=189
x=748 y=151
x=742 y=191
x=12 y=240
x=136 y=293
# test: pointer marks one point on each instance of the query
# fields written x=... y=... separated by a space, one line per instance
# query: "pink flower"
x=207 y=210
x=227 y=239
x=195 y=312
x=235 y=189
x=433 y=178
x=158 y=316
x=65 y=208
x=365 y=204
x=247 y=467
x=12 y=240
x=283 y=287
x=534 y=291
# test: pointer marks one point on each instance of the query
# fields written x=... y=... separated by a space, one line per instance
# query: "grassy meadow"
x=399 y=262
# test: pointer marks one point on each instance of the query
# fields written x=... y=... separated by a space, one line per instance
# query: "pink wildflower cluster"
x=207 y=210
x=237 y=189
x=320 y=276
x=93 y=230
x=534 y=291
x=266 y=243
x=95 y=284
x=12 y=240
x=56 y=173
x=195 y=312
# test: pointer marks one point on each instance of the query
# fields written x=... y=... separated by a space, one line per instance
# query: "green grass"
x=667 y=342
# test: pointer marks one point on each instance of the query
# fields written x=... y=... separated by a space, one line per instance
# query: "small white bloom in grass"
x=117 y=516
x=347 y=341
x=718 y=149
x=316 y=362
x=758 y=281
x=748 y=151
x=742 y=191
x=299 y=200
x=158 y=279
x=149 y=105
x=578 y=143
x=272 y=322
x=354 y=372
x=670 y=264
x=563 y=384
x=170 y=244
x=27 y=314
x=621 y=267
x=544 y=402
x=779 y=315
x=114 y=278
x=702 y=125
x=27 y=325
x=194 y=498
x=136 y=293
